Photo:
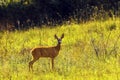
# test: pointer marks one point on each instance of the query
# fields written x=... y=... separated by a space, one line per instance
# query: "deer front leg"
x=52 y=63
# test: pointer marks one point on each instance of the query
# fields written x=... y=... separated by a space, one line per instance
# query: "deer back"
x=45 y=52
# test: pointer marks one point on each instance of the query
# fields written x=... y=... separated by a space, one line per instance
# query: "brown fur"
x=50 y=52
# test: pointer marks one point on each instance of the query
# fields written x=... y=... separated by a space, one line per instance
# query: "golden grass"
x=77 y=59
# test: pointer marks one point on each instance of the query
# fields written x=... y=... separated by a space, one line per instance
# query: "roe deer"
x=50 y=52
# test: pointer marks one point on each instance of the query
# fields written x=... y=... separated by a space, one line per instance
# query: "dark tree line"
x=52 y=12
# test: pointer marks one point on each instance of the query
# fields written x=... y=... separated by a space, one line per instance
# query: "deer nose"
x=59 y=41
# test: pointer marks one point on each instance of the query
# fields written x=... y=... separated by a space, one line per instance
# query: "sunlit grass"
x=77 y=59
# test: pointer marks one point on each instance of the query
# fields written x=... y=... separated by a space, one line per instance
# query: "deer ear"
x=62 y=36
x=56 y=36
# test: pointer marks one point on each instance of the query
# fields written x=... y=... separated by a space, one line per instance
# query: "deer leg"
x=52 y=63
x=31 y=63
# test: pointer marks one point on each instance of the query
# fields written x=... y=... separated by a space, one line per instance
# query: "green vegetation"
x=77 y=59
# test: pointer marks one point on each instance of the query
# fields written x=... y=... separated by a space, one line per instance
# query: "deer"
x=47 y=52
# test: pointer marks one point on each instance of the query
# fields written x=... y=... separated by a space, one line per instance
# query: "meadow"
x=90 y=51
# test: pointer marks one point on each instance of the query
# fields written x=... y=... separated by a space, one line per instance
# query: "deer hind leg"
x=31 y=63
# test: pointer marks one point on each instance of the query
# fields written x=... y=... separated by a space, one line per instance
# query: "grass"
x=77 y=59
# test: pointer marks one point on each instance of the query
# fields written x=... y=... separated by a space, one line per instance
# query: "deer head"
x=59 y=39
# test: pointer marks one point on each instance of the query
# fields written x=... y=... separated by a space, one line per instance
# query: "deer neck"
x=58 y=47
